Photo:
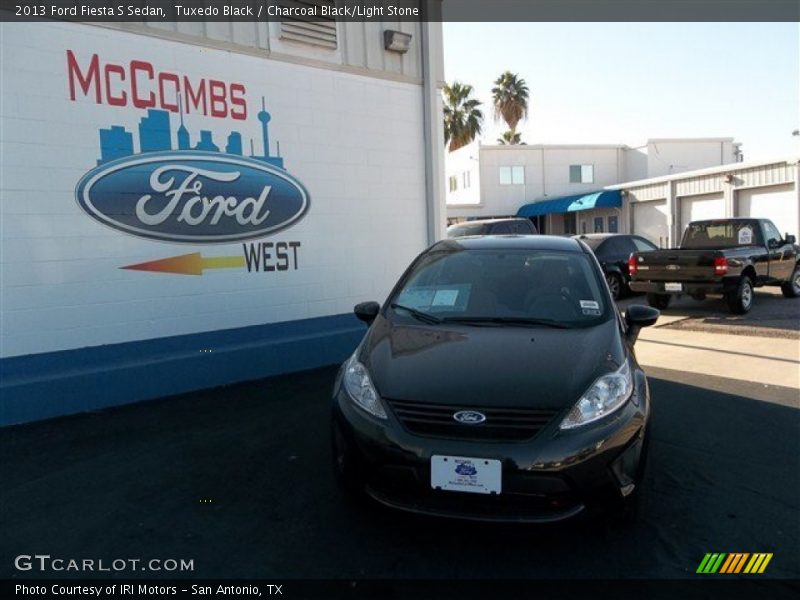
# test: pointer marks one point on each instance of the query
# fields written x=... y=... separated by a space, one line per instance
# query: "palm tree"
x=510 y=95
x=509 y=139
x=462 y=117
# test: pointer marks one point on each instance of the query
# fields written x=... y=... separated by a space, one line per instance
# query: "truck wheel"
x=659 y=301
x=740 y=300
x=615 y=285
x=791 y=289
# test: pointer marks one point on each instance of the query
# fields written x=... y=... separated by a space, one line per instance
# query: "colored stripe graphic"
x=711 y=562
x=189 y=264
x=758 y=563
x=733 y=563
x=732 y=558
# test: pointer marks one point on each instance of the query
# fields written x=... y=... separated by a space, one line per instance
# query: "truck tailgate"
x=675 y=265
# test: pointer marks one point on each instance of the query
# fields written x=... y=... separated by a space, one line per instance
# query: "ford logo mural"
x=192 y=196
x=469 y=417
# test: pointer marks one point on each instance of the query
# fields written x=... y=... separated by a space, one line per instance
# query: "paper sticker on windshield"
x=445 y=298
x=745 y=236
x=589 y=304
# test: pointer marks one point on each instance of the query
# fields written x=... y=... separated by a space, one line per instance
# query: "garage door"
x=777 y=203
x=650 y=221
x=700 y=208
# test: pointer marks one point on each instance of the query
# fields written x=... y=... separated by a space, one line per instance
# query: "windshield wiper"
x=417 y=314
x=524 y=321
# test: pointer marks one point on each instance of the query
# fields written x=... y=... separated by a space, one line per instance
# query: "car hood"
x=489 y=366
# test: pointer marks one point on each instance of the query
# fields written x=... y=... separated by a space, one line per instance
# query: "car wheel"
x=791 y=289
x=347 y=465
x=615 y=285
x=740 y=301
x=659 y=301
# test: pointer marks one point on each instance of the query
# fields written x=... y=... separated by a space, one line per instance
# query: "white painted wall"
x=457 y=163
x=546 y=175
x=670 y=156
x=359 y=44
x=355 y=142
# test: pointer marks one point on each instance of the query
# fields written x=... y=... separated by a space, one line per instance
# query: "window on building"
x=581 y=173
x=613 y=224
x=453 y=183
x=320 y=32
x=512 y=175
x=598 y=224
x=465 y=179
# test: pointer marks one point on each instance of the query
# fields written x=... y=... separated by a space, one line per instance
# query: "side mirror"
x=638 y=316
x=790 y=239
x=367 y=311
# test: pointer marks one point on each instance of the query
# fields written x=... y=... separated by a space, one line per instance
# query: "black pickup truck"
x=727 y=257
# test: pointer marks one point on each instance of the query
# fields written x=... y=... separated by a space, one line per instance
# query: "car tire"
x=791 y=289
x=659 y=301
x=347 y=466
x=740 y=300
x=615 y=285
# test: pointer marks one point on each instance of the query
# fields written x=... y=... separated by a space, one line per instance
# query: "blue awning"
x=607 y=199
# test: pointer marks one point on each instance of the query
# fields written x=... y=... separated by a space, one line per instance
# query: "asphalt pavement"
x=238 y=479
x=772 y=315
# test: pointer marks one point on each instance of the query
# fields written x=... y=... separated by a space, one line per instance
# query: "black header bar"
x=93 y=11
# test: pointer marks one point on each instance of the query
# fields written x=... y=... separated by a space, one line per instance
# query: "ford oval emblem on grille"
x=672 y=267
x=469 y=417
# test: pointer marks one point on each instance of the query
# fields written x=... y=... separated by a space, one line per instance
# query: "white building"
x=660 y=208
x=188 y=205
x=493 y=180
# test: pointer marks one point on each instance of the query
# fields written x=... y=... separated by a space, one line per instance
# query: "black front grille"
x=501 y=424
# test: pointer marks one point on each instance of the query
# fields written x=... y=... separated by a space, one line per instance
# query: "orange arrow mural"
x=189 y=264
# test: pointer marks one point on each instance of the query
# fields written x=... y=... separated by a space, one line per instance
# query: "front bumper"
x=554 y=476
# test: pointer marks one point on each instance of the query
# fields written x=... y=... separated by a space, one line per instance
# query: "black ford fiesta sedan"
x=498 y=382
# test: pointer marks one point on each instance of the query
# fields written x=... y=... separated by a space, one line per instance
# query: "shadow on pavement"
x=238 y=479
x=772 y=315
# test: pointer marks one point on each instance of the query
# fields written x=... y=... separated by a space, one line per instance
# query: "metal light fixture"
x=396 y=41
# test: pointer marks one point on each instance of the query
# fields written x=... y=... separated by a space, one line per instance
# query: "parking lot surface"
x=772 y=315
x=238 y=479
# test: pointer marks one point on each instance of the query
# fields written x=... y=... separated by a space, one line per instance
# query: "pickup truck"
x=721 y=257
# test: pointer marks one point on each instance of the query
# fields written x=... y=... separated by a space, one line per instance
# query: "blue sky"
x=625 y=82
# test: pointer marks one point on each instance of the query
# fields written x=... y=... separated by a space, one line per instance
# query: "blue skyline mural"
x=155 y=135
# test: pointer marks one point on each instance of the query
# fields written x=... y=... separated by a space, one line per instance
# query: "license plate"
x=673 y=287
x=464 y=474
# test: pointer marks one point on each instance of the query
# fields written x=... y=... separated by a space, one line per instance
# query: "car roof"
x=489 y=221
x=515 y=242
x=601 y=236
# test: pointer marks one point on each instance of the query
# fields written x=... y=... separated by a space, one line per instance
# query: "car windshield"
x=465 y=229
x=501 y=286
x=720 y=234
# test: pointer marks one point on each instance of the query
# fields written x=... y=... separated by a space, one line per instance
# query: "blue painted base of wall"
x=42 y=386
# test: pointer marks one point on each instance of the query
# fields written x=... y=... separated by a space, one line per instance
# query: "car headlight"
x=604 y=396
x=359 y=387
